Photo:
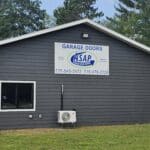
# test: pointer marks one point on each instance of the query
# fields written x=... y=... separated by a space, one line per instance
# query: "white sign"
x=81 y=59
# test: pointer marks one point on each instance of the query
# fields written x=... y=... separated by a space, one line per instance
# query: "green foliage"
x=76 y=9
x=132 y=19
x=126 y=137
x=49 y=21
x=19 y=17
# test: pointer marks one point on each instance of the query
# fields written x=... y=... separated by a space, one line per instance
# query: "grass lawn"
x=125 y=137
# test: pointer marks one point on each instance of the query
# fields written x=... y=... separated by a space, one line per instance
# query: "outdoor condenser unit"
x=66 y=116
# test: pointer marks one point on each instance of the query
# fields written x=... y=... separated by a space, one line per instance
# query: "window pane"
x=25 y=96
x=17 y=96
x=8 y=96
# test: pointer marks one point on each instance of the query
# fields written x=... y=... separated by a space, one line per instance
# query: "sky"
x=107 y=6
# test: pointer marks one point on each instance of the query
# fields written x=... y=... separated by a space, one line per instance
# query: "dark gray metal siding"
x=121 y=97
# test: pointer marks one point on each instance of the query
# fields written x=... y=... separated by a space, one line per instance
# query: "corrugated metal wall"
x=121 y=97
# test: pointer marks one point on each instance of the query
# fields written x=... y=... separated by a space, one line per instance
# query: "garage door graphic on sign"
x=81 y=59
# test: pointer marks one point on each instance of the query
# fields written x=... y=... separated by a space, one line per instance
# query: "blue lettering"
x=89 y=57
x=72 y=46
x=82 y=59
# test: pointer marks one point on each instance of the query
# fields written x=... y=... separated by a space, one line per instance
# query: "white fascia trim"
x=19 y=110
x=86 y=21
x=41 y=32
x=118 y=36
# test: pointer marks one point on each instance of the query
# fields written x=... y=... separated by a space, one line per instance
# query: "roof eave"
x=41 y=32
x=71 y=24
x=119 y=36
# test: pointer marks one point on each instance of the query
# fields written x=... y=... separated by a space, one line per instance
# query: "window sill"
x=17 y=110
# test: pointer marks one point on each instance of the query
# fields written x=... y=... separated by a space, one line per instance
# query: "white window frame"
x=16 y=110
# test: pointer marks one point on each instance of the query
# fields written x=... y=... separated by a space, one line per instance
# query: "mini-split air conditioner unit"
x=67 y=116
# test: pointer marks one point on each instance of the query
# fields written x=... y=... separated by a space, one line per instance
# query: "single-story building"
x=106 y=77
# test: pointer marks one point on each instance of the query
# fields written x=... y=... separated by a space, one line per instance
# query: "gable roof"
x=83 y=21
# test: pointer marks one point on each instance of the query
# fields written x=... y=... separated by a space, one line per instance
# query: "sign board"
x=81 y=59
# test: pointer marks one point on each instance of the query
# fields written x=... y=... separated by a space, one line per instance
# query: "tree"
x=19 y=17
x=132 y=19
x=49 y=21
x=76 y=9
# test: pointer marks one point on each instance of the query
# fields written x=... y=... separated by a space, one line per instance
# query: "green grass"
x=125 y=137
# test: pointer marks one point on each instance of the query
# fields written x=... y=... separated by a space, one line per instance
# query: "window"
x=19 y=95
